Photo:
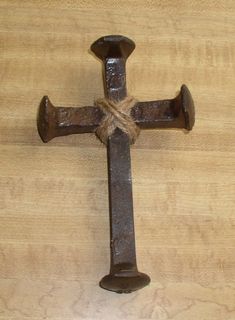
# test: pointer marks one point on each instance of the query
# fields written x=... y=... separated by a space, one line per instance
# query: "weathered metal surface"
x=124 y=275
x=172 y=113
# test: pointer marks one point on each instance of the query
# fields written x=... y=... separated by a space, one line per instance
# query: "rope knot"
x=117 y=115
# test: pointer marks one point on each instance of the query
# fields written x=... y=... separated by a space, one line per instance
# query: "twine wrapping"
x=117 y=115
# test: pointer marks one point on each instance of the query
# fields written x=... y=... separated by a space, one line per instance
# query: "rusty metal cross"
x=171 y=113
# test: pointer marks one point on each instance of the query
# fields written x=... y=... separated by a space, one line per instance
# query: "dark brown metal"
x=172 y=113
x=124 y=275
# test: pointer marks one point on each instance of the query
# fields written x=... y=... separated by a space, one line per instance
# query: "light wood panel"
x=54 y=230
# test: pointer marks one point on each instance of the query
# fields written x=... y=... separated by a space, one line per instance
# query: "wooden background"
x=54 y=230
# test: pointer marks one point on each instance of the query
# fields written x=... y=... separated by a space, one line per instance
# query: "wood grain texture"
x=54 y=230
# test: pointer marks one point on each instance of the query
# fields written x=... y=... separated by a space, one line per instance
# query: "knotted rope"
x=117 y=115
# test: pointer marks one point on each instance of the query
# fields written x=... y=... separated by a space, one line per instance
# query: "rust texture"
x=124 y=276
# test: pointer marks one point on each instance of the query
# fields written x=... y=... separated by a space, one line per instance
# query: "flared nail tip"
x=112 y=46
x=43 y=119
x=121 y=284
x=188 y=107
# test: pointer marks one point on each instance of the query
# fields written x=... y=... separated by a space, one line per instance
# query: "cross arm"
x=61 y=121
x=172 y=113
